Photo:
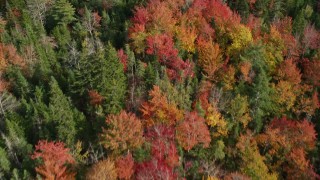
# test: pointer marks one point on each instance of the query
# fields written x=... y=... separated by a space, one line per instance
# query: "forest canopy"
x=159 y=89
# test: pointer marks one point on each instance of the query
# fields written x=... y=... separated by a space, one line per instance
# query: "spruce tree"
x=89 y=72
x=260 y=92
x=63 y=12
x=115 y=82
x=63 y=114
x=37 y=121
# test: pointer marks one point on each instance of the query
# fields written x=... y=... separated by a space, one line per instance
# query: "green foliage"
x=4 y=163
x=260 y=92
x=143 y=153
x=84 y=60
x=20 y=85
x=63 y=12
x=62 y=35
x=219 y=150
x=115 y=82
x=101 y=71
x=179 y=93
x=65 y=117
x=239 y=112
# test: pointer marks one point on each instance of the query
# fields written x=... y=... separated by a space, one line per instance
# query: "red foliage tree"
x=222 y=14
x=299 y=133
x=193 y=131
x=123 y=59
x=162 y=142
x=96 y=19
x=141 y=16
x=162 y=46
x=254 y=24
x=154 y=169
x=164 y=154
x=194 y=17
x=311 y=37
x=299 y=166
x=284 y=26
x=311 y=71
x=55 y=160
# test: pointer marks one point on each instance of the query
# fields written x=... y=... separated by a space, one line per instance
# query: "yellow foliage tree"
x=239 y=110
x=241 y=37
x=187 y=37
x=252 y=161
x=216 y=120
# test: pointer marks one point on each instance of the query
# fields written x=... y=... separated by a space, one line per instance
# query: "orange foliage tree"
x=210 y=59
x=124 y=132
x=288 y=86
x=286 y=143
x=95 y=98
x=9 y=55
x=104 y=169
x=125 y=166
x=55 y=160
x=159 y=110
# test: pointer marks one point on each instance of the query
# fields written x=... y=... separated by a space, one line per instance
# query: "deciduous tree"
x=192 y=131
x=124 y=132
x=55 y=160
x=125 y=166
x=104 y=169
x=158 y=110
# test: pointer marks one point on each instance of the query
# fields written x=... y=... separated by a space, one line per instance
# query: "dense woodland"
x=159 y=89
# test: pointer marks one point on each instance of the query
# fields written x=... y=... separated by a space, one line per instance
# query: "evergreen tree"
x=66 y=118
x=115 y=82
x=15 y=157
x=260 y=92
x=37 y=121
x=20 y=85
x=135 y=70
x=63 y=12
x=100 y=70
x=301 y=20
x=4 y=163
